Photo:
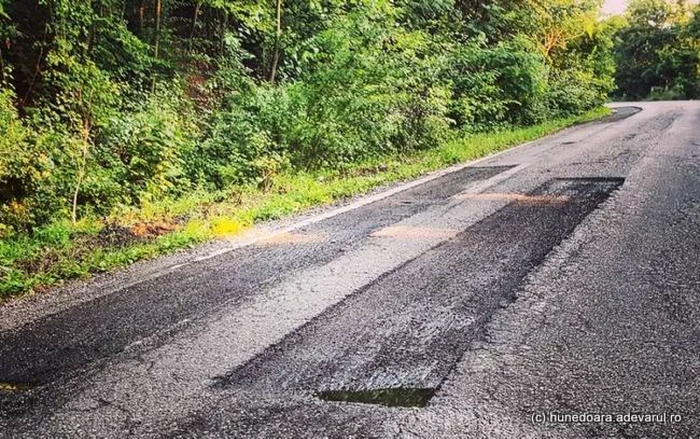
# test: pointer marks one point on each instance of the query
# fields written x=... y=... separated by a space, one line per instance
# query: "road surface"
x=551 y=291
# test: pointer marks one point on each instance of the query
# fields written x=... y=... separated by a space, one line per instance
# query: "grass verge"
x=63 y=251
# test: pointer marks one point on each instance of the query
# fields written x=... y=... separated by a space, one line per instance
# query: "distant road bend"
x=551 y=291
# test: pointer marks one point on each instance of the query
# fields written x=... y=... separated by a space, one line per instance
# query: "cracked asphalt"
x=550 y=291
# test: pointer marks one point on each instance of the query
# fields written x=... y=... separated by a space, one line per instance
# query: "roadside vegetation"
x=130 y=128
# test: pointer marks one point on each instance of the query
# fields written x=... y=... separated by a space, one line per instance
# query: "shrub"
x=143 y=149
x=497 y=86
x=24 y=168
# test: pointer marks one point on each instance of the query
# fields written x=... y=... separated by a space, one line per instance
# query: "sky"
x=614 y=6
x=618 y=6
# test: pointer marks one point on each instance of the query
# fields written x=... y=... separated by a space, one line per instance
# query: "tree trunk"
x=142 y=12
x=223 y=33
x=197 y=9
x=82 y=169
x=156 y=43
x=278 y=37
x=37 y=71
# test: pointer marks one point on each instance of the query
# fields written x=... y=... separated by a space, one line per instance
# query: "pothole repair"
x=396 y=397
x=430 y=314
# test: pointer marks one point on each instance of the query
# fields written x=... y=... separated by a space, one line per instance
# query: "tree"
x=657 y=53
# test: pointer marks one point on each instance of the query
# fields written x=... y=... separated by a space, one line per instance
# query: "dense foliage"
x=113 y=103
x=657 y=51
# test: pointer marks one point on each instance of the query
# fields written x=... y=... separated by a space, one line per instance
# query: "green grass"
x=64 y=251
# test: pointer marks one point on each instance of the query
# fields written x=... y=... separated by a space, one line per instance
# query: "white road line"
x=481 y=186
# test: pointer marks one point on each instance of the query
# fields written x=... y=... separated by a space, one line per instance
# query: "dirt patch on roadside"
x=111 y=236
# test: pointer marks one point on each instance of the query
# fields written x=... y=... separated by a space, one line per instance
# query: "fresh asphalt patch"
x=394 y=341
x=62 y=343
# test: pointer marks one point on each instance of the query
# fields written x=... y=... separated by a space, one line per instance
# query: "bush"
x=570 y=94
x=244 y=142
x=23 y=170
x=497 y=86
x=675 y=93
x=143 y=150
x=351 y=102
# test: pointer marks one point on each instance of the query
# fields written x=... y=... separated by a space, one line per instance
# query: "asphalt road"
x=551 y=291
